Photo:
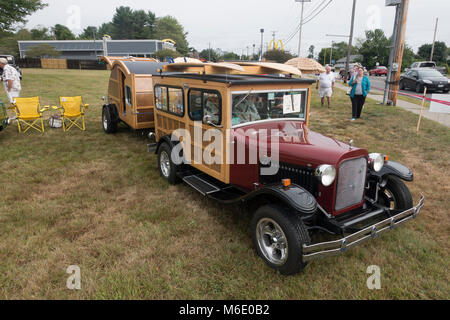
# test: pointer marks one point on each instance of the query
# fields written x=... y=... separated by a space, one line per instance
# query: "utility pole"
x=434 y=40
x=262 y=43
x=253 y=54
x=389 y=75
x=350 y=40
x=209 y=51
x=399 y=48
x=331 y=54
x=301 y=27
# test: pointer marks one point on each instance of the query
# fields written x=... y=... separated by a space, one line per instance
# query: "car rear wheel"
x=402 y=85
x=395 y=195
x=278 y=237
x=167 y=169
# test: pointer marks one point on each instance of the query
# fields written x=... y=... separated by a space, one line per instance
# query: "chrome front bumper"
x=325 y=249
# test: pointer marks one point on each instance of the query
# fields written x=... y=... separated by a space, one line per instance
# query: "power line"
x=310 y=19
x=297 y=27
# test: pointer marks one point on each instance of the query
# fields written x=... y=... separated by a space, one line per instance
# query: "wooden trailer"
x=130 y=93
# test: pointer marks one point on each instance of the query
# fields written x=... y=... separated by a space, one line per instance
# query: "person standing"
x=11 y=80
x=326 y=87
x=360 y=85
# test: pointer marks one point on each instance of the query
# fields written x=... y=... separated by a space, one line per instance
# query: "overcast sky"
x=232 y=25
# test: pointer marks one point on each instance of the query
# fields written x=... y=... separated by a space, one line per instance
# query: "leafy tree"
x=375 y=48
x=408 y=57
x=440 y=52
x=132 y=24
x=311 y=52
x=89 y=33
x=14 y=12
x=8 y=45
x=229 y=56
x=169 y=28
x=278 y=56
x=105 y=29
x=40 y=33
x=209 y=53
x=162 y=55
x=62 y=32
x=42 y=51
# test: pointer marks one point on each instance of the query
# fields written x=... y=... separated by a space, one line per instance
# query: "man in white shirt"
x=326 y=88
x=11 y=80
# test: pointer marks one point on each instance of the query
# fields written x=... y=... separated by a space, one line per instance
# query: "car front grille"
x=302 y=176
x=350 y=185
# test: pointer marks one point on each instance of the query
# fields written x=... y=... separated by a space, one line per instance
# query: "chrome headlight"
x=326 y=174
x=428 y=81
x=376 y=161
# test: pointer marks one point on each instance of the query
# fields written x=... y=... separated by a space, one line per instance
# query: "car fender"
x=395 y=169
x=294 y=196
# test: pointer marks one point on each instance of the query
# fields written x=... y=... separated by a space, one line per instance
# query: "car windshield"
x=427 y=65
x=265 y=105
x=429 y=73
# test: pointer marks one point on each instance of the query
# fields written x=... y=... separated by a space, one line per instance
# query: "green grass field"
x=97 y=201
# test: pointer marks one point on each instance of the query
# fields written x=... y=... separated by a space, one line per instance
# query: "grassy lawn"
x=97 y=201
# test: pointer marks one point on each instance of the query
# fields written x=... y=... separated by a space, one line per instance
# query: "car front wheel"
x=278 y=237
x=395 y=195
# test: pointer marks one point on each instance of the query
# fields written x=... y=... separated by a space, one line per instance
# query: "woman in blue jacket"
x=360 y=85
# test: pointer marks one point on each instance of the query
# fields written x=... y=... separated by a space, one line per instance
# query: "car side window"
x=205 y=103
x=161 y=98
x=195 y=105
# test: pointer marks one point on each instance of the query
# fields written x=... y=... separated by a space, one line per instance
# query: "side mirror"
x=207 y=119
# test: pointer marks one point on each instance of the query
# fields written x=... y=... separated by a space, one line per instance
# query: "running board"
x=202 y=186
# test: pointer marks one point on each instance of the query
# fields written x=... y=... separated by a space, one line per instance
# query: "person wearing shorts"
x=325 y=85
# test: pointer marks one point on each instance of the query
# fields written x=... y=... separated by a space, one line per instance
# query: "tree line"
x=375 y=48
x=126 y=24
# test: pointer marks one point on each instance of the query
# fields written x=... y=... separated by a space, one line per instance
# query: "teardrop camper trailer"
x=130 y=93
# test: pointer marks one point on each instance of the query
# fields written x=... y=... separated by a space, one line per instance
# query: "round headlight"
x=326 y=174
x=376 y=161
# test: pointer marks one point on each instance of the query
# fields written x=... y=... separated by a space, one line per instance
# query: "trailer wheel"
x=109 y=124
x=167 y=169
x=278 y=237
x=395 y=195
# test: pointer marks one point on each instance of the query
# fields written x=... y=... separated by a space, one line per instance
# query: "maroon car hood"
x=299 y=145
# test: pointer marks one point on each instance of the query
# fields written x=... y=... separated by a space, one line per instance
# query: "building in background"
x=92 y=49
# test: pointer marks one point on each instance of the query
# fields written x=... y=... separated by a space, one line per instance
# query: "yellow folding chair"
x=72 y=109
x=29 y=113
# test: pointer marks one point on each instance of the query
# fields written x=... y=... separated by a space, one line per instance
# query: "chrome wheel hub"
x=165 y=164
x=272 y=241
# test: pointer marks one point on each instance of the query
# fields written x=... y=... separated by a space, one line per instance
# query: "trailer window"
x=195 y=105
x=128 y=96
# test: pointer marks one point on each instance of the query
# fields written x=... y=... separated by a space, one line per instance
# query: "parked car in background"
x=428 y=64
x=379 y=71
x=419 y=78
x=12 y=62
